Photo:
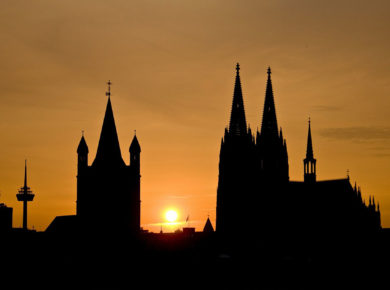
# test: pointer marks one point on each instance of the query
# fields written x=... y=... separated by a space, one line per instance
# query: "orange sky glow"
x=172 y=65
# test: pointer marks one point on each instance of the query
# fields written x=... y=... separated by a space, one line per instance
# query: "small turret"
x=135 y=150
x=82 y=153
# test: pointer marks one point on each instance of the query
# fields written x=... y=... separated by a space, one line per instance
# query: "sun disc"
x=171 y=216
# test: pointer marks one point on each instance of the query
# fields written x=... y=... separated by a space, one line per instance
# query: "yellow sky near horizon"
x=172 y=65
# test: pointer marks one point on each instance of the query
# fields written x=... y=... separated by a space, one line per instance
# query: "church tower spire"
x=108 y=151
x=237 y=124
x=269 y=125
x=309 y=162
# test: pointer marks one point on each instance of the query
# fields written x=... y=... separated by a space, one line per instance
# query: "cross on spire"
x=108 y=93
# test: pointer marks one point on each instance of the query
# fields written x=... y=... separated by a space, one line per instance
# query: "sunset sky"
x=172 y=67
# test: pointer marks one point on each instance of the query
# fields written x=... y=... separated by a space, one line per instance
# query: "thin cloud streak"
x=358 y=134
x=325 y=108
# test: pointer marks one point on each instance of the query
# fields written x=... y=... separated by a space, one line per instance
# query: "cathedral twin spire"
x=237 y=124
x=269 y=125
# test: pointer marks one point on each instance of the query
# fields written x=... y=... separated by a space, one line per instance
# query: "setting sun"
x=171 y=216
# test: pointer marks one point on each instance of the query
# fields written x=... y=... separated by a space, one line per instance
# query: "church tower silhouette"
x=235 y=169
x=108 y=191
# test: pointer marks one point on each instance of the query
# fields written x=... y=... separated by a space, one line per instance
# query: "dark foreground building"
x=108 y=190
x=254 y=184
x=5 y=218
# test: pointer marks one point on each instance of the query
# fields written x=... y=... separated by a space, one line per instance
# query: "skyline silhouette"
x=317 y=225
x=109 y=156
x=253 y=172
x=195 y=144
x=171 y=64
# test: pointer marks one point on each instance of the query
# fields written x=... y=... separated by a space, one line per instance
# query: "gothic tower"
x=270 y=144
x=309 y=162
x=108 y=191
x=235 y=166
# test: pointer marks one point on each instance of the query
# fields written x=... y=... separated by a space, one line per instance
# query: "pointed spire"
x=309 y=149
x=135 y=147
x=237 y=124
x=269 y=124
x=108 y=151
x=82 y=148
x=208 y=227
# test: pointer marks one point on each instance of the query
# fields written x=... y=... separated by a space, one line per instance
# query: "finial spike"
x=108 y=93
x=82 y=133
x=269 y=71
x=135 y=132
x=238 y=67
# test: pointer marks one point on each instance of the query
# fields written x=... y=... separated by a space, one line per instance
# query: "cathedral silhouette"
x=254 y=184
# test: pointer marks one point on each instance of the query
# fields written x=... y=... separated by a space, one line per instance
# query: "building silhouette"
x=254 y=185
x=5 y=218
x=108 y=190
x=208 y=227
